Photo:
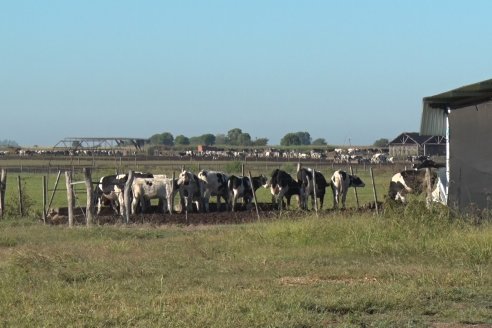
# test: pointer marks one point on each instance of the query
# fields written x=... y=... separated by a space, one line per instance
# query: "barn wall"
x=471 y=157
x=403 y=151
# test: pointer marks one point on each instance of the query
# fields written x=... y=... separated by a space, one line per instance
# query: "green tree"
x=319 y=142
x=208 y=139
x=164 y=138
x=181 y=140
x=233 y=136
x=383 y=142
x=244 y=139
x=260 y=142
x=290 y=139
x=220 y=139
x=304 y=137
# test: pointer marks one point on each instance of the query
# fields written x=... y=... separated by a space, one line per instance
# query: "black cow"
x=283 y=185
x=305 y=178
x=240 y=186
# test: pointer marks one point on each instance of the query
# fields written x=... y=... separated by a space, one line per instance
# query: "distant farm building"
x=464 y=116
x=413 y=144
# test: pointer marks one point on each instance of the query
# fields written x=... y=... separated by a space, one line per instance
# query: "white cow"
x=340 y=183
x=190 y=190
x=110 y=188
x=145 y=189
x=215 y=184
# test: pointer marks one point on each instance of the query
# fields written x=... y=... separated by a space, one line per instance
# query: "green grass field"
x=409 y=268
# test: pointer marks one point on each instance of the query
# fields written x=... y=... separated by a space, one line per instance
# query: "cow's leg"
x=280 y=197
x=164 y=204
x=206 y=201
x=335 y=201
x=344 y=196
x=134 y=204
x=234 y=201
x=99 y=204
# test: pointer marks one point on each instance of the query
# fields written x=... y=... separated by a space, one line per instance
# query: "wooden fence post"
x=70 y=199
x=21 y=203
x=44 y=197
x=172 y=194
x=89 y=210
x=428 y=181
x=3 y=188
x=314 y=193
x=254 y=195
x=355 y=188
x=54 y=191
x=126 y=196
x=374 y=192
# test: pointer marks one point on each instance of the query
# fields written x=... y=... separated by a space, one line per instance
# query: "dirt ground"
x=267 y=211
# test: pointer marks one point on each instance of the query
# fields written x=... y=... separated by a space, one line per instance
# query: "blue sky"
x=347 y=71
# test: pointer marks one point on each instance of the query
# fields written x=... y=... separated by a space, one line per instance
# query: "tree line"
x=234 y=137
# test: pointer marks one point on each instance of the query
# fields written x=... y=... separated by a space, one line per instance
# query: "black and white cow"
x=283 y=185
x=341 y=181
x=159 y=187
x=191 y=190
x=215 y=184
x=305 y=178
x=110 y=188
x=240 y=186
x=409 y=182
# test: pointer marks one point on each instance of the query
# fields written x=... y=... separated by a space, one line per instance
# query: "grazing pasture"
x=408 y=268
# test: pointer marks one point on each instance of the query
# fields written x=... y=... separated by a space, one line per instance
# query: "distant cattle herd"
x=338 y=155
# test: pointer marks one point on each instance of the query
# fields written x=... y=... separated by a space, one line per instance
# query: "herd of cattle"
x=195 y=190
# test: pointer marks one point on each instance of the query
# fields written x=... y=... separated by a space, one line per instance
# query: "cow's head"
x=264 y=181
x=184 y=178
x=355 y=181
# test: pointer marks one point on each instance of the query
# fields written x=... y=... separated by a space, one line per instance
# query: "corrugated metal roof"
x=416 y=138
x=468 y=95
x=434 y=110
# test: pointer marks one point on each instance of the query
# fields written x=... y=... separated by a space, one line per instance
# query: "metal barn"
x=464 y=117
x=414 y=144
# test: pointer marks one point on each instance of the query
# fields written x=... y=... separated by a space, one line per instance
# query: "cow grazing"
x=283 y=185
x=305 y=178
x=110 y=188
x=410 y=181
x=240 y=186
x=340 y=183
x=145 y=189
x=190 y=189
x=215 y=184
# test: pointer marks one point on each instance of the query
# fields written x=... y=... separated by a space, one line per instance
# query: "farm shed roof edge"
x=434 y=107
